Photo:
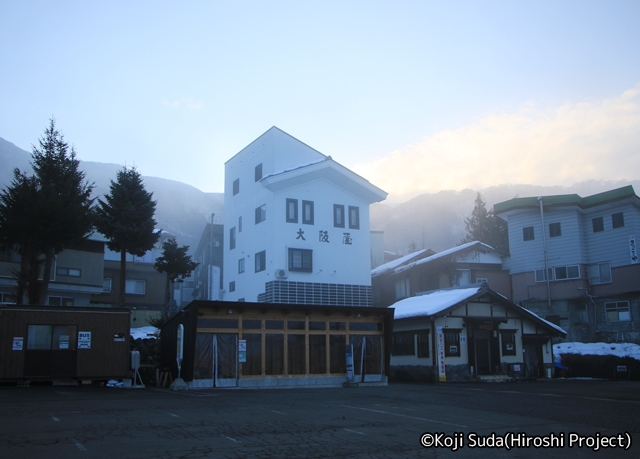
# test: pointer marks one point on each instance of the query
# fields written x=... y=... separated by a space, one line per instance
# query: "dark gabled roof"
x=618 y=194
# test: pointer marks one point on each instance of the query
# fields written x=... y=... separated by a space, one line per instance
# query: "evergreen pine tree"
x=43 y=214
x=178 y=266
x=126 y=218
x=485 y=227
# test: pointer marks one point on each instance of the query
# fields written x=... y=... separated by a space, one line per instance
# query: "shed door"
x=51 y=351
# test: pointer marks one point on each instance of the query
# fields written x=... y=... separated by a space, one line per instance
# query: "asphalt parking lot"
x=598 y=418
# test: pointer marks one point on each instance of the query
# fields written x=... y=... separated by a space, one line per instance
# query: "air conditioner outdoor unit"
x=281 y=273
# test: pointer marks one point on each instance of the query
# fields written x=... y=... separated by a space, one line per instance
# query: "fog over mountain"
x=432 y=220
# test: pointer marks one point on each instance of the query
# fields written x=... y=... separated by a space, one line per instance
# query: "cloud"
x=559 y=145
x=188 y=104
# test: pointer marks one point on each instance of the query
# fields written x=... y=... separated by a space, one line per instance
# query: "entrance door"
x=367 y=358
x=482 y=352
x=51 y=351
x=225 y=361
x=532 y=351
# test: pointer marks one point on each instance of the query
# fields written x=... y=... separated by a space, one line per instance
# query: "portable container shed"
x=55 y=343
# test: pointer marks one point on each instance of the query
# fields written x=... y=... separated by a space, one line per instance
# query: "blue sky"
x=417 y=96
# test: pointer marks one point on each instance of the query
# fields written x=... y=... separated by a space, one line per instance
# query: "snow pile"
x=145 y=332
x=617 y=349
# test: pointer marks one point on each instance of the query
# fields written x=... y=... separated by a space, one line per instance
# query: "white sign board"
x=442 y=374
x=18 y=343
x=633 y=249
x=84 y=340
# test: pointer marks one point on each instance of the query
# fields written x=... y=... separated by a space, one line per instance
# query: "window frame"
x=403 y=343
x=528 y=234
x=307 y=205
x=451 y=338
x=137 y=282
x=617 y=220
x=617 y=307
x=261 y=213
x=354 y=223
x=62 y=271
x=591 y=277
x=567 y=275
x=338 y=211
x=232 y=286
x=241 y=265
x=291 y=218
x=423 y=344
x=555 y=229
x=597 y=224
x=260 y=261
x=105 y=281
x=258 y=172
x=505 y=342
x=236 y=186
x=306 y=260
x=232 y=238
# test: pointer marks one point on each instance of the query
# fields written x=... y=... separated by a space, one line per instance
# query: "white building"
x=296 y=226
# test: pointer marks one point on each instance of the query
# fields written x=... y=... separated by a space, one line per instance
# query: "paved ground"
x=364 y=422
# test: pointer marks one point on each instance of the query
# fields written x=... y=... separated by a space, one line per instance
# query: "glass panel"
x=253 y=366
x=373 y=355
x=296 y=353
x=252 y=323
x=337 y=326
x=317 y=354
x=314 y=325
x=217 y=323
x=337 y=353
x=274 y=324
x=365 y=326
x=226 y=355
x=295 y=324
x=39 y=337
x=203 y=364
x=274 y=354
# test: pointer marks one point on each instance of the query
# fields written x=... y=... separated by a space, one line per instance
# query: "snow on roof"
x=551 y=324
x=299 y=166
x=445 y=253
x=431 y=303
x=618 y=349
x=390 y=265
x=145 y=332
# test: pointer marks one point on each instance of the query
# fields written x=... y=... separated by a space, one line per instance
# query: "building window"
x=261 y=258
x=240 y=265
x=71 y=272
x=403 y=288
x=301 y=260
x=527 y=234
x=567 y=272
x=599 y=273
x=236 y=186
x=462 y=277
x=354 y=217
x=8 y=298
x=617 y=220
x=598 y=224
x=60 y=301
x=107 y=284
x=508 y=342
x=135 y=286
x=258 y=172
x=403 y=344
x=232 y=286
x=617 y=311
x=307 y=212
x=338 y=216
x=240 y=224
x=423 y=344
x=555 y=230
x=232 y=238
x=540 y=277
x=452 y=343
x=292 y=210
x=261 y=213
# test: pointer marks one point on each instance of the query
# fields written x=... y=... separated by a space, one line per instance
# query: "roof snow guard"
x=440 y=302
